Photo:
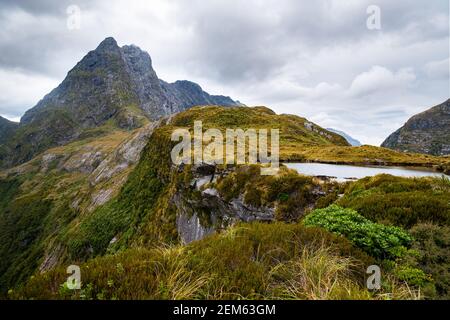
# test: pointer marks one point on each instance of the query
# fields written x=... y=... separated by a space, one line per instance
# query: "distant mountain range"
x=354 y=142
x=111 y=86
x=427 y=132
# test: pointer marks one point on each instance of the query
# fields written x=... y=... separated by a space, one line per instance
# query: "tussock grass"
x=315 y=275
x=250 y=261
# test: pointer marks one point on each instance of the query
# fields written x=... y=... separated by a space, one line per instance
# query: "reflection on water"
x=350 y=172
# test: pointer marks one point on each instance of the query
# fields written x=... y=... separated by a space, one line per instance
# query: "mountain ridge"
x=427 y=132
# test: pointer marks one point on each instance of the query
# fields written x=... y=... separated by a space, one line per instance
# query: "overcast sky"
x=317 y=59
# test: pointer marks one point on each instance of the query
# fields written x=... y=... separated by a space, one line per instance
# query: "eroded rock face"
x=198 y=217
x=51 y=258
x=127 y=154
x=427 y=132
x=101 y=198
x=190 y=228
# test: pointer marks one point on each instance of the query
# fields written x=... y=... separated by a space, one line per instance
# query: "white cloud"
x=21 y=91
x=379 y=80
x=437 y=69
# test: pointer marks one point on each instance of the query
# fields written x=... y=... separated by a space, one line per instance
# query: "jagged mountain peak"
x=111 y=84
x=108 y=43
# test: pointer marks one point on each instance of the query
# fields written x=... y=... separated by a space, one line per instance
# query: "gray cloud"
x=312 y=58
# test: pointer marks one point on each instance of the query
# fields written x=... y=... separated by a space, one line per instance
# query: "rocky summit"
x=111 y=86
x=427 y=132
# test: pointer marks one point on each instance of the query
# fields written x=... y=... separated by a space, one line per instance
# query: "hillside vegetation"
x=112 y=204
x=249 y=261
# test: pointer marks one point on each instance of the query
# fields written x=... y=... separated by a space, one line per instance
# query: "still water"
x=350 y=172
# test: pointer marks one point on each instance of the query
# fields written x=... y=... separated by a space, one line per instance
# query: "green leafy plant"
x=376 y=239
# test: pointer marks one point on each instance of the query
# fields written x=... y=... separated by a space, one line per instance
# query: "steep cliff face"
x=427 y=132
x=111 y=87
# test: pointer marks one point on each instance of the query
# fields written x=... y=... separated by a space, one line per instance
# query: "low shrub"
x=397 y=201
x=252 y=261
x=380 y=241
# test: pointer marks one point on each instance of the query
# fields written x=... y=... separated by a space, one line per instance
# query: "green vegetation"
x=400 y=201
x=376 y=239
x=288 y=191
x=422 y=207
x=370 y=155
x=298 y=142
x=432 y=244
x=36 y=208
x=294 y=134
x=137 y=214
x=251 y=261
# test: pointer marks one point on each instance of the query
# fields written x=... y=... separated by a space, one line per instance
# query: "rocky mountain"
x=111 y=86
x=354 y=142
x=427 y=132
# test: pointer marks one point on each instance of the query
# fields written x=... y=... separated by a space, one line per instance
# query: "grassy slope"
x=372 y=155
x=142 y=214
x=36 y=207
x=249 y=261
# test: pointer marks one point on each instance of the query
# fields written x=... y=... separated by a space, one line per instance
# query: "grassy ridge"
x=369 y=155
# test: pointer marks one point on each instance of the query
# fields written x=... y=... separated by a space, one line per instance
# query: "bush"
x=378 y=240
x=288 y=191
x=253 y=261
x=402 y=202
x=432 y=243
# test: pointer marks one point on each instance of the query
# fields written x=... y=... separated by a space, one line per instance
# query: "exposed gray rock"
x=47 y=159
x=190 y=229
x=84 y=163
x=192 y=224
x=51 y=258
x=427 y=132
x=101 y=198
x=127 y=154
